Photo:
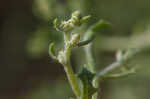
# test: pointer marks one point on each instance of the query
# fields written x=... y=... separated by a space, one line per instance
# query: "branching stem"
x=89 y=76
x=127 y=57
x=68 y=68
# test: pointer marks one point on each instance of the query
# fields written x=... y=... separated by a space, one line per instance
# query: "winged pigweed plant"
x=85 y=84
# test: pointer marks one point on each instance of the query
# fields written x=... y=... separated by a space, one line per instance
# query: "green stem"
x=68 y=68
x=73 y=81
x=66 y=37
x=90 y=53
x=91 y=60
x=90 y=57
x=85 y=90
x=120 y=75
x=126 y=58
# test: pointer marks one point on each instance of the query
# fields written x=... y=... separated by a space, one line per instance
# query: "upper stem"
x=66 y=37
x=68 y=68
x=89 y=52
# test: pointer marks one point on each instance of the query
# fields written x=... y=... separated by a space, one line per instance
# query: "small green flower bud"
x=76 y=14
x=56 y=24
x=76 y=21
x=66 y=26
x=76 y=17
x=75 y=39
x=61 y=57
x=85 y=19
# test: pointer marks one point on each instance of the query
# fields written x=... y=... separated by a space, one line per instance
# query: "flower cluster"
x=75 y=21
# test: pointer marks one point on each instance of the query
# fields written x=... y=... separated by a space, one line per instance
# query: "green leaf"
x=52 y=51
x=90 y=34
x=56 y=25
x=85 y=19
x=87 y=77
x=99 y=25
x=82 y=43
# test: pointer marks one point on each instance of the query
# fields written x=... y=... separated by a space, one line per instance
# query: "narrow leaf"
x=99 y=25
x=56 y=25
x=52 y=51
x=85 y=19
x=82 y=43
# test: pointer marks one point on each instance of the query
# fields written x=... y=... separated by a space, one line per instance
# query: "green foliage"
x=52 y=52
x=87 y=79
x=89 y=76
x=120 y=37
x=100 y=25
x=90 y=34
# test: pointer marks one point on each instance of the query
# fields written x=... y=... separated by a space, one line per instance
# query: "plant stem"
x=90 y=53
x=129 y=55
x=68 y=68
x=91 y=59
x=73 y=81
x=66 y=37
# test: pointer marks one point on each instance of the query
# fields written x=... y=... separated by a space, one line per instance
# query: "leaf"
x=99 y=25
x=90 y=34
x=85 y=19
x=52 y=51
x=87 y=77
x=56 y=25
x=82 y=43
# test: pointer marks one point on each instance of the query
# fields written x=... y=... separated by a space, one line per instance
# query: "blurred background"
x=27 y=71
